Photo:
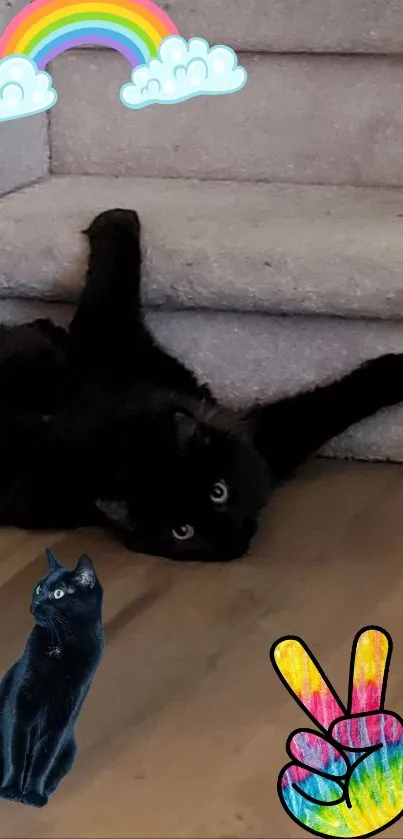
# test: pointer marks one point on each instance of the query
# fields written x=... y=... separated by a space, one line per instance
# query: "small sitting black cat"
x=42 y=694
x=128 y=437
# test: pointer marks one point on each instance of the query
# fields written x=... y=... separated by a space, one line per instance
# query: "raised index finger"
x=369 y=667
x=306 y=681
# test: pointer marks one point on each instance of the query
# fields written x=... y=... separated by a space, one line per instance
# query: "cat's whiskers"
x=53 y=629
x=65 y=627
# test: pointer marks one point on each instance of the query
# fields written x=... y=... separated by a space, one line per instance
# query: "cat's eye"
x=219 y=493
x=58 y=593
x=183 y=533
x=38 y=589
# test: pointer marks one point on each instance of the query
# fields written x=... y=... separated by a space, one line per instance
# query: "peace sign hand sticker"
x=347 y=779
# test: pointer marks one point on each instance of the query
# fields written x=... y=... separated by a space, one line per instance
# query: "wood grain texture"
x=184 y=729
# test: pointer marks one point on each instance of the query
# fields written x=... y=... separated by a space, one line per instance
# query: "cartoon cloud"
x=23 y=90
x=184 y=69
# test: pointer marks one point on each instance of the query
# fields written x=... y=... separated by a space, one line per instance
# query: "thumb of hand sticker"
x=166 y=68
x=347 y=779
x=42 y=694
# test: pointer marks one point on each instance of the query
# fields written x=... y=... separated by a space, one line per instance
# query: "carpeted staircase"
x=272 y=218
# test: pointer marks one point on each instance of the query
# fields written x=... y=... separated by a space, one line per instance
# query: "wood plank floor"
x=184 y=729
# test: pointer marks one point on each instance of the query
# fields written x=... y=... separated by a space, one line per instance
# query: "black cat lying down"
x=101 y=426
x=42 y=694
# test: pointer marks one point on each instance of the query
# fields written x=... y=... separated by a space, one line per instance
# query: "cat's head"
x=200 y=494
x=65 y=598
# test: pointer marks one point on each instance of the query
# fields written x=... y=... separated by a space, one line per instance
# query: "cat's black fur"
x=42 y=694
x=130 y=439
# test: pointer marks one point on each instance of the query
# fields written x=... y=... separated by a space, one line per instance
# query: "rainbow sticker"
x=46 y=28
x=166 y=68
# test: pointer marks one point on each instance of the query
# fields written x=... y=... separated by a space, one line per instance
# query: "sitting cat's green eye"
x=183 y=533
x=220 y=493
x=58 y=593
x=38 y=589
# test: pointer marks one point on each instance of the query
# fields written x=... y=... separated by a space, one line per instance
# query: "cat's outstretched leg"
x=110 y=344
x=102 y=330
x=286 y=432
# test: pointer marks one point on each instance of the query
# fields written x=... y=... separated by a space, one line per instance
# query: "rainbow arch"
x=46 y=28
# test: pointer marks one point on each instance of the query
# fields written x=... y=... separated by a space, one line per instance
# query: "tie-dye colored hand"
x=346 y=781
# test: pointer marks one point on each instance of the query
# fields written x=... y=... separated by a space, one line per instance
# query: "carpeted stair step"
x=333 y=117
x=216 y=245
x=323 y=119
x=367 y=26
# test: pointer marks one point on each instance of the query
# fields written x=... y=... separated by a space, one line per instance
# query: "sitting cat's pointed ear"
x=84 y=573
x=53 y=564
x=187 y=429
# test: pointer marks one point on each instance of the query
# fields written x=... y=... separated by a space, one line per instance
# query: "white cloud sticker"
x=183 y=70
x=24 y=90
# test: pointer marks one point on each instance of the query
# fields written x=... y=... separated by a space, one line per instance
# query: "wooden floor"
x=183 y=732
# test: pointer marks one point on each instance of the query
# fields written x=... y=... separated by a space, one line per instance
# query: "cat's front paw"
x=11 y=793
x=114 y=221
x=35 y=799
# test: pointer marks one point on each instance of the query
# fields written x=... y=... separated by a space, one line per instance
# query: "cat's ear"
x=188 y=429
x=84 y=573
x=53 y=564
x=116 y=511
